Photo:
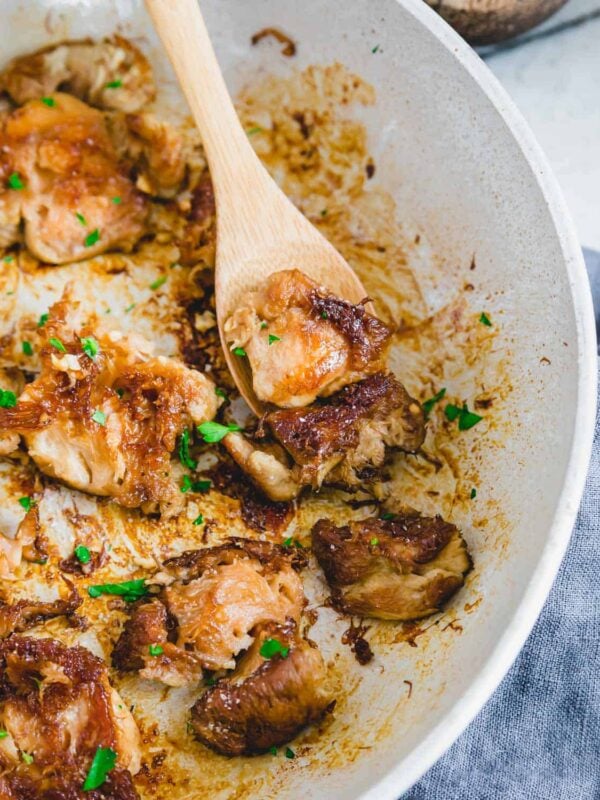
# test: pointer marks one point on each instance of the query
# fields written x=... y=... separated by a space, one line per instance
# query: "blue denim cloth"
x=538 y=737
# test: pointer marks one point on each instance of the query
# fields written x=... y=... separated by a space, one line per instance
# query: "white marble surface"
x=555 y=80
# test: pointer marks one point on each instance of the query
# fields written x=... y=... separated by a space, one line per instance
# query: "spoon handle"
x=181 y=28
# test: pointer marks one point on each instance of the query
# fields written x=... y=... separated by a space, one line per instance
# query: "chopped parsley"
x=57 y=344
x=374 y=541
x=188 y=485
x=130 y=591
x=82 y=554
x=324 y=315
x=43 y=320
x=8 y=399
x=289 y=753
x=120 y=392
x=199 y=520
x=429 y=404
x=273 y=338
x=8 y=259
x=116 y=84
x=239 y=351
x=3 y=734
x=273 y=750
x=273 y=647
x=213 y=432
x=291 y=542
x=26 y=503
x=90 y=346
x=27 y=348
x=155 y=650
x=99 y=417
x=184 y=451
x=210 y=681
x=388 y=515
x=220 y=393
x=27 y=758
x=264 y=325
x=375 y=49
x=81 y=218
x=115 y=200
x=158 y=283
x=130 y=308
x=49 y=101
x=104 y=760
x=252 y=131
x=473 y=493
x=485 y=320
x=15 y=182
x=466 y=419
x=91 y=239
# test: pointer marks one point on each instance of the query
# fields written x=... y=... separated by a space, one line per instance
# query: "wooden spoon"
x=259 y=231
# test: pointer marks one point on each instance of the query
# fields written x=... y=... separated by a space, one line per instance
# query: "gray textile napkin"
x=538 y=737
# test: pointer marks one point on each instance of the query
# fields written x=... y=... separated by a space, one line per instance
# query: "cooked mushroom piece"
x=303 y=342
x=104 y=416
x=61 y=172
x=279 y=687
x=404 y=568
x=343 y=440
x=112 y=73
x=212 y=602
x=57 y=708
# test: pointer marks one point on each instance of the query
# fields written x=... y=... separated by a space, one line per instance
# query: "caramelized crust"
x=68 y=166
x=84 y=68
x=265 y=703
x=144 y=403
x=208 y=612
x=350 y=432
x=402 y=569
x=321 y=342
x=57 y=707
x=24 y=614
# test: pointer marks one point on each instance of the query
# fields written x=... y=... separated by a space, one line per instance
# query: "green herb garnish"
x=239 y=351
x=43 y=320
x=220 y=393
x=324 y=315
x=485 y=320
x=184 y=451
x=158 y=283
x=82 y=554
x=273 y=338
x=116 y=84
x=27 y=348
x=130 y=591
x=473 y=493
x=92 y=238
x=81 y=218
x=26 y=503
x=188 y=485
x=155 y=650
x=429 y=404
x=375 y=49
x=388 y=515
x=264 y=325
x=199 y=520
x=15 y=182
x=466 y=419
x=27 y=758
x=90 y=346
x=57 y=344
x=49 y=101
x=213 y=432
x=324 y=212
x=8 y=399
x=130 y=308
x=289 y=753
x=252 y=131
x=291 y=542
x=7 y=260
x=273 y=750
x=104 y=760
x=115 y=200
x=3 y=734
x=99 y=417
x=374 y=541
x=273 y=647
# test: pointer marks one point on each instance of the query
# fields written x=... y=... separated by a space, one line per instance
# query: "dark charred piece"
x=402 y=569
x=266 y=702
x=18 y=617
